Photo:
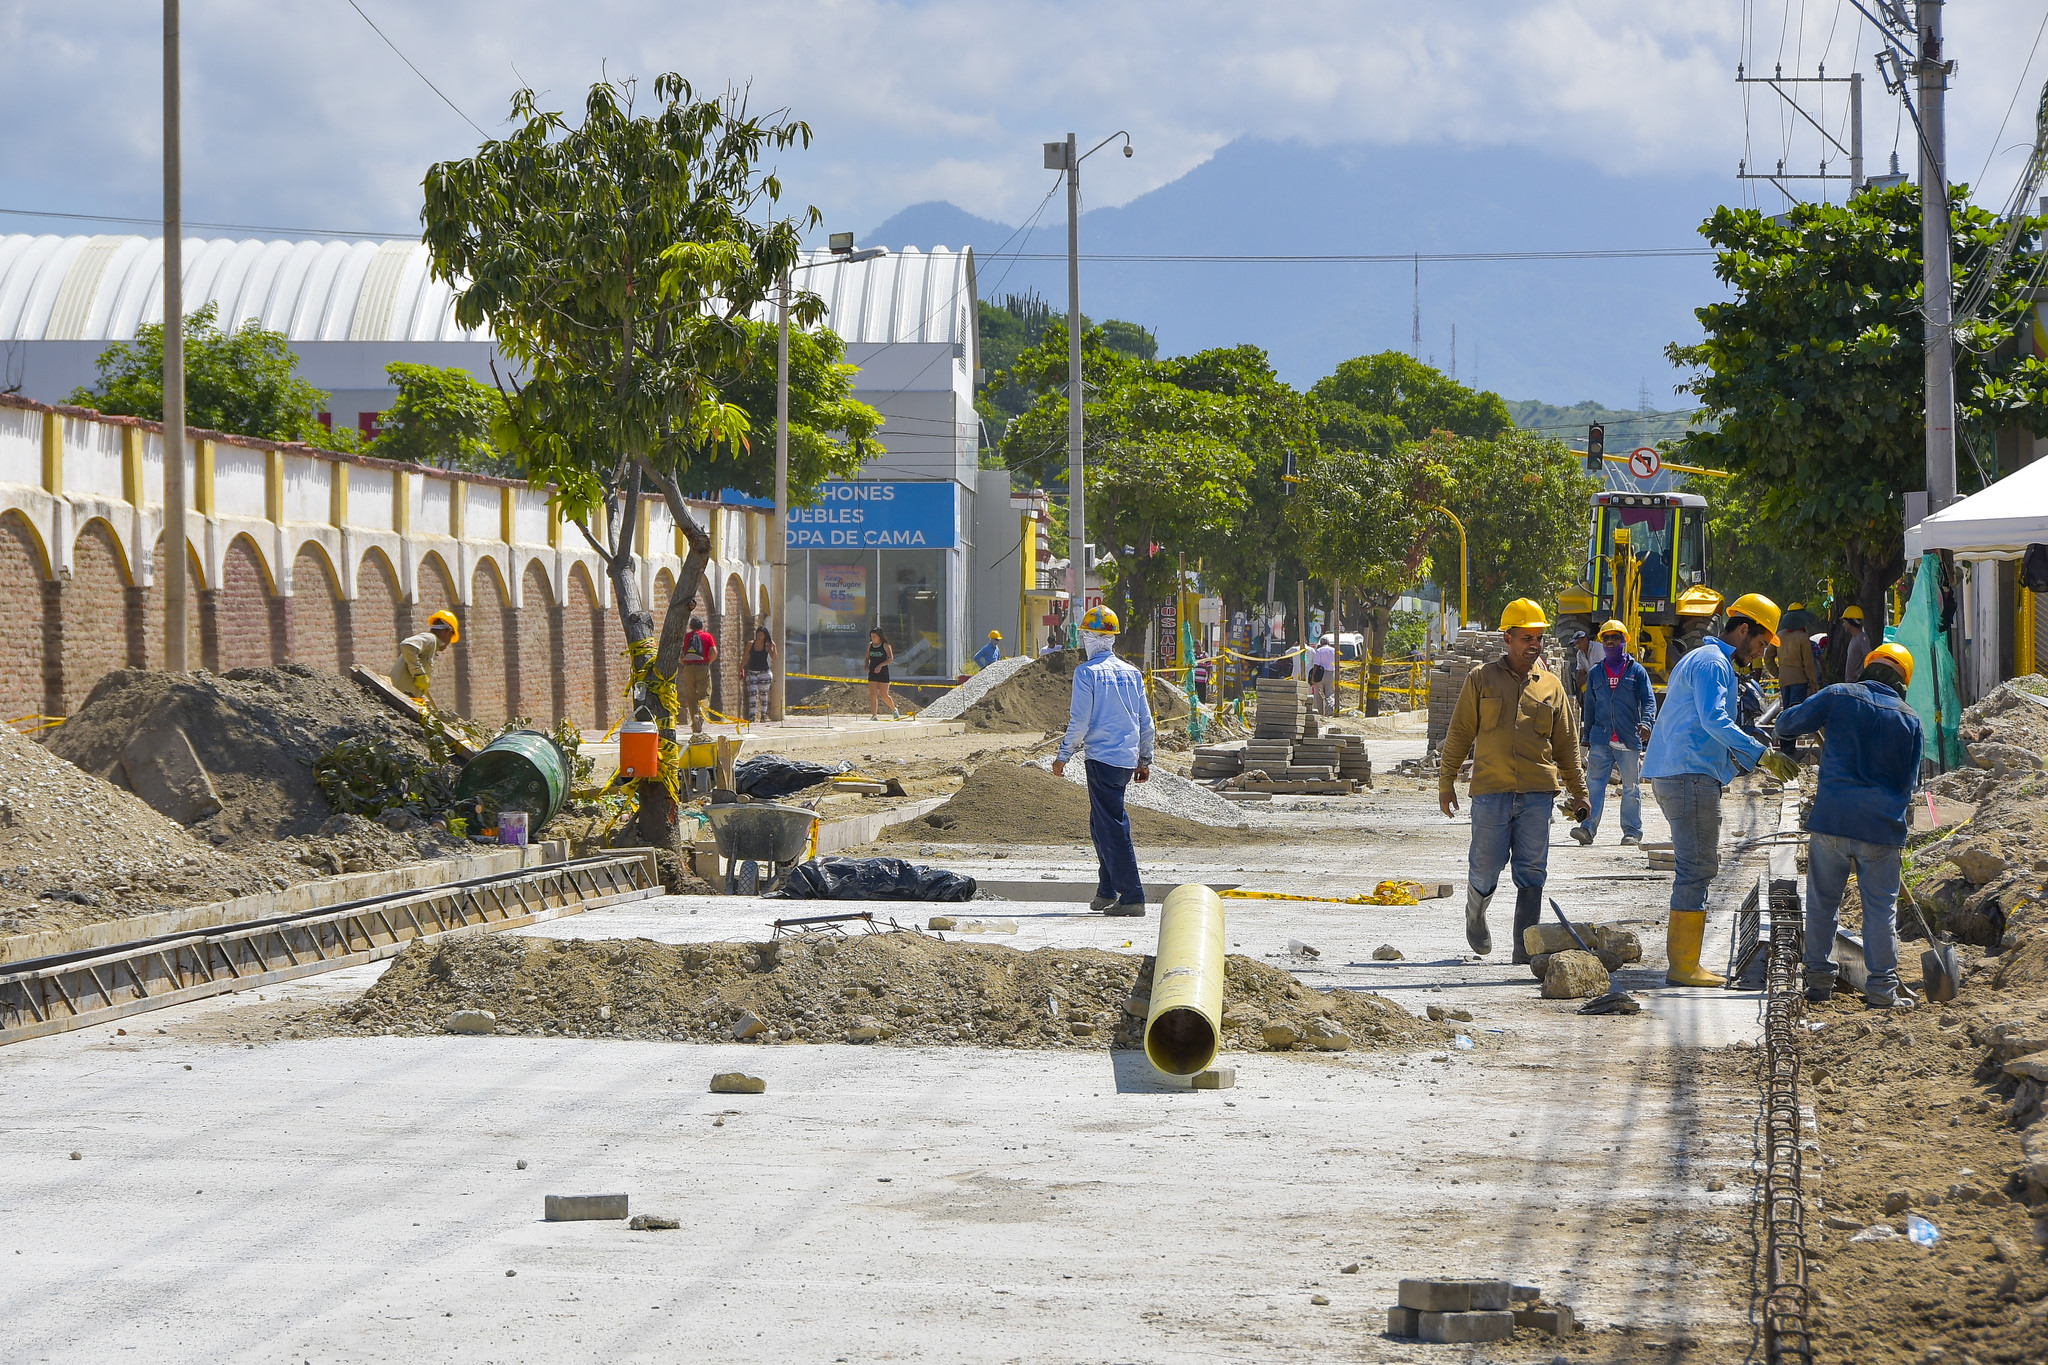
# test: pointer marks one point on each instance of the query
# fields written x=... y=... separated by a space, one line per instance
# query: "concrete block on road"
x=1217 y=1078
x=747 y=1026
x=1573 y=976
x=1556 y=1321
x=1453 y=1327
x=1524 y=1294
x=1403 y=1322
x=471 y=1021
x=1454 y=1296
x=577 y=1208
x=738 y=1083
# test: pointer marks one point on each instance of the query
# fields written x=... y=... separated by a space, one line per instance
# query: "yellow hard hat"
x=1099 y=620
x=1759 y=609
x=995 y=635
x=1898 y=656
x=1522 y=614
x=1613 y=628
x=447 y=618
x=1854 y=613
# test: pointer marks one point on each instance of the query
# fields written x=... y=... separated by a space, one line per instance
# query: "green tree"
x=442 y=417
x=1751 y=554
x=1814 y=370
x=245 y=382
x=1374 y=401
x=831 y=433
x=1522 y=499
x=1018 y=322
x=616 y=262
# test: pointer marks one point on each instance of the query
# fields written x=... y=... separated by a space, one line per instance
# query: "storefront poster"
x=842 y=598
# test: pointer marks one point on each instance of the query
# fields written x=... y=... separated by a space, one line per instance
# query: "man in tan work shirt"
x=413 y=674
x=1515 y=720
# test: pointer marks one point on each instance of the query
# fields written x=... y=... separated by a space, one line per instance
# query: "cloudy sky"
x=300 y=114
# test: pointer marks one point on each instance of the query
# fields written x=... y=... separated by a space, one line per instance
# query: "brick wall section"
x=618 y=676
x=21 y=620
x=242 y=613
x=373 y=628
x=152 y=607
x=734 y=630
x=94 y=616
x=539 y=661
x=583 y=690
x=485 y=646
x=316 y=634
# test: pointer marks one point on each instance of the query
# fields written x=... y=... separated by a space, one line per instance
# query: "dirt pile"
x=1983 y=880
x=1004 y=802
x=1039 y=697
x=256 y=733
x=77 y=850
x=907 y=989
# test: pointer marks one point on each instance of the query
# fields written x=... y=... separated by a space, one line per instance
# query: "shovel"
x=1941 y=970
x=1614 y=1002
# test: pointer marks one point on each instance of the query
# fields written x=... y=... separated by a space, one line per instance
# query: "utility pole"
x=1415 y=337
x=1077 y=493
x=175 y=615
x=1932 y=73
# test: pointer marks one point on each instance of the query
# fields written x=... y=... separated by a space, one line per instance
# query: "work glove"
x=1778 y=765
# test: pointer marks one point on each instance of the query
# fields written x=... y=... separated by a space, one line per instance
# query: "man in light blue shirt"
x=1111 y=722
x=991 y=651
x=1695 y=751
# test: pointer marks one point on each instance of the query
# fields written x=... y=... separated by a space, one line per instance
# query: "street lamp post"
x=1060 y=156
x=778 y=549
x=1464 y=566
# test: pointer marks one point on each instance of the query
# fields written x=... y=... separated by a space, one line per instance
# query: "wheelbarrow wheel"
x=746 y=878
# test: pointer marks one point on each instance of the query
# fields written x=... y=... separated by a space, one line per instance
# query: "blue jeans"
x=1691 y=802
x=1829 y=859
x=1109 y=825
x=1791 y=694
x=1602 y=760
x=1510 y=825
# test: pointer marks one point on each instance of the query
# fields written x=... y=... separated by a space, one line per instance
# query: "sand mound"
x=256 y=731
x=103 y=849
x=1013 y=803
x=1039 y=696
x=912 y=990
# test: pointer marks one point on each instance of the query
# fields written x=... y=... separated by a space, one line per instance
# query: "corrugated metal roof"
x=907 y=295
x=102 y=288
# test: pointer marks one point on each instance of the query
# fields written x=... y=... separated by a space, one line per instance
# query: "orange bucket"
x=639 y=749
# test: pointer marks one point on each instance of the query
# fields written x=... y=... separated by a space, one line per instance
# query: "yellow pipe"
x=1184 y=1028
x=1464 y=565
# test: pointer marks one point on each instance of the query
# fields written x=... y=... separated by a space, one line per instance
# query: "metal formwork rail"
x=1786 y=1337
x=96 y=986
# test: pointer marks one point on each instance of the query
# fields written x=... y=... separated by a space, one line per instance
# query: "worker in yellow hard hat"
x=1868 y=769
x=991 y=651
x=1858 y=647
x=1110 y=722
x=1620 y=708
x=1696 y=750
x=1515 y=721
x=413 y=674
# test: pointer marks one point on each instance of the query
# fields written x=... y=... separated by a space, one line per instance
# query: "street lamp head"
x=1127 y=149
x=841 y=243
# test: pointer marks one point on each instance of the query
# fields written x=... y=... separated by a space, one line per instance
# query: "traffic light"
x=1596 y=447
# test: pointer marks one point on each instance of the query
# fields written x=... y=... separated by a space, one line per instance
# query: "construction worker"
x=991 y=651
x=700 y=651
x=413 y=674
x=1620 y=708
x=1515 y=720
x=1696 y=750
x=1868 y=769
x=1110 y=720
x=1859 y=643
x=1798 y=672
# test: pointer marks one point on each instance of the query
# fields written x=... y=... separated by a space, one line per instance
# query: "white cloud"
x=298 y=114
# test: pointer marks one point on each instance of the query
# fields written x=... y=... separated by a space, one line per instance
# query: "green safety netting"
x=1196 y=725
x=1935 y=695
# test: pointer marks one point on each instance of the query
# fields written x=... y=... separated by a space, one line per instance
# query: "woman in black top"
x=880 y=655
x=760 y=673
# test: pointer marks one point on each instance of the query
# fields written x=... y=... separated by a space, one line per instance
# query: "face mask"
x=1613 y=651
x=1094 y=644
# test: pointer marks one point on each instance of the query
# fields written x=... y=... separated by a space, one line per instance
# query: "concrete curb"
x=860 y=829
x=310 y=895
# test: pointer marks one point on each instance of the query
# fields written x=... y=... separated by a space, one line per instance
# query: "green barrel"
x=521 y=770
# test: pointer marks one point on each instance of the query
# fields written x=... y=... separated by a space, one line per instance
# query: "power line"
x=158 y=224
x=416 y=71
x=1362 y=258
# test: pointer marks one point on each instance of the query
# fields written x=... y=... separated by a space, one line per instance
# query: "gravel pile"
x=1168 y=794
x=950 y=705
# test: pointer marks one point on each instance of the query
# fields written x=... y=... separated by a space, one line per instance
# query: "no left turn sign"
x=1644 y=462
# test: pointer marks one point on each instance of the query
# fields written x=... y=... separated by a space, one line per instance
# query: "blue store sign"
x=873 y=515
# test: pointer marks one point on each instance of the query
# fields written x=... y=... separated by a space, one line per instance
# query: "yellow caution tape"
x=1386 y=893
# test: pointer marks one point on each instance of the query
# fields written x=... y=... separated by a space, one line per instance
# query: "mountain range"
x=1574 y=331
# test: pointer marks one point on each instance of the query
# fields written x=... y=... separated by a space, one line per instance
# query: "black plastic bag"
x=2034 y=568
x=872 y=879
x=767 y=776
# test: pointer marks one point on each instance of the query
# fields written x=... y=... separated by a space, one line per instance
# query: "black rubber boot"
x=1528 y=912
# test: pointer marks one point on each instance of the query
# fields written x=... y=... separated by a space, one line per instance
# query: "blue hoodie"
x=1619 y=705
x=1869 y=765
x=1110 y=717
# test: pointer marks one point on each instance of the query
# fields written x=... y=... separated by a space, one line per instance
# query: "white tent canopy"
x=1998 y=523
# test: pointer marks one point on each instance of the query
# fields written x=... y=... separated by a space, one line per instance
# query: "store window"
x=849 y=592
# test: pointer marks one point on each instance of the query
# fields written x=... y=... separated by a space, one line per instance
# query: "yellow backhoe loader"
x=1647 y=567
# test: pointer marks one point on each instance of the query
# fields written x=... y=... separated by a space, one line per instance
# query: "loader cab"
x=1666 y=531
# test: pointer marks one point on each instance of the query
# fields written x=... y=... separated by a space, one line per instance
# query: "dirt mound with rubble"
x=257 y=732
x=77 y=850
x=1040 y=696
x=1004 y=802
x=906 y=989
x=1975 y=879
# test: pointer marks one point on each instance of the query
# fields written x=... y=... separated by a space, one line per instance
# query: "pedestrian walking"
x=880 y=655
x=1110 y=723
x=1859 y=644
x=1322 y=675
x=760 y=674
x=1515 y=721
x=700 y=651
x=1697 y=749
x=1869 y=766
x=1620 y=708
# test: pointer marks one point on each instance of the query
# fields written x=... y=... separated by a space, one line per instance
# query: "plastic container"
x=512 y=828
x=639 y=749
x=523 y=770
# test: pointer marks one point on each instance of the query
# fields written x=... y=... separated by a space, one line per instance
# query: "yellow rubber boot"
x=1682 y=945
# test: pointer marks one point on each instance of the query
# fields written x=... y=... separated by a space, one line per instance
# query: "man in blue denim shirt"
x=1619 y=708
x=1110 y=720
x=1697 y=749
x=1868 y=769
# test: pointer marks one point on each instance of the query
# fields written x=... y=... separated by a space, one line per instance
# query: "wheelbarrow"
x=751 y=833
